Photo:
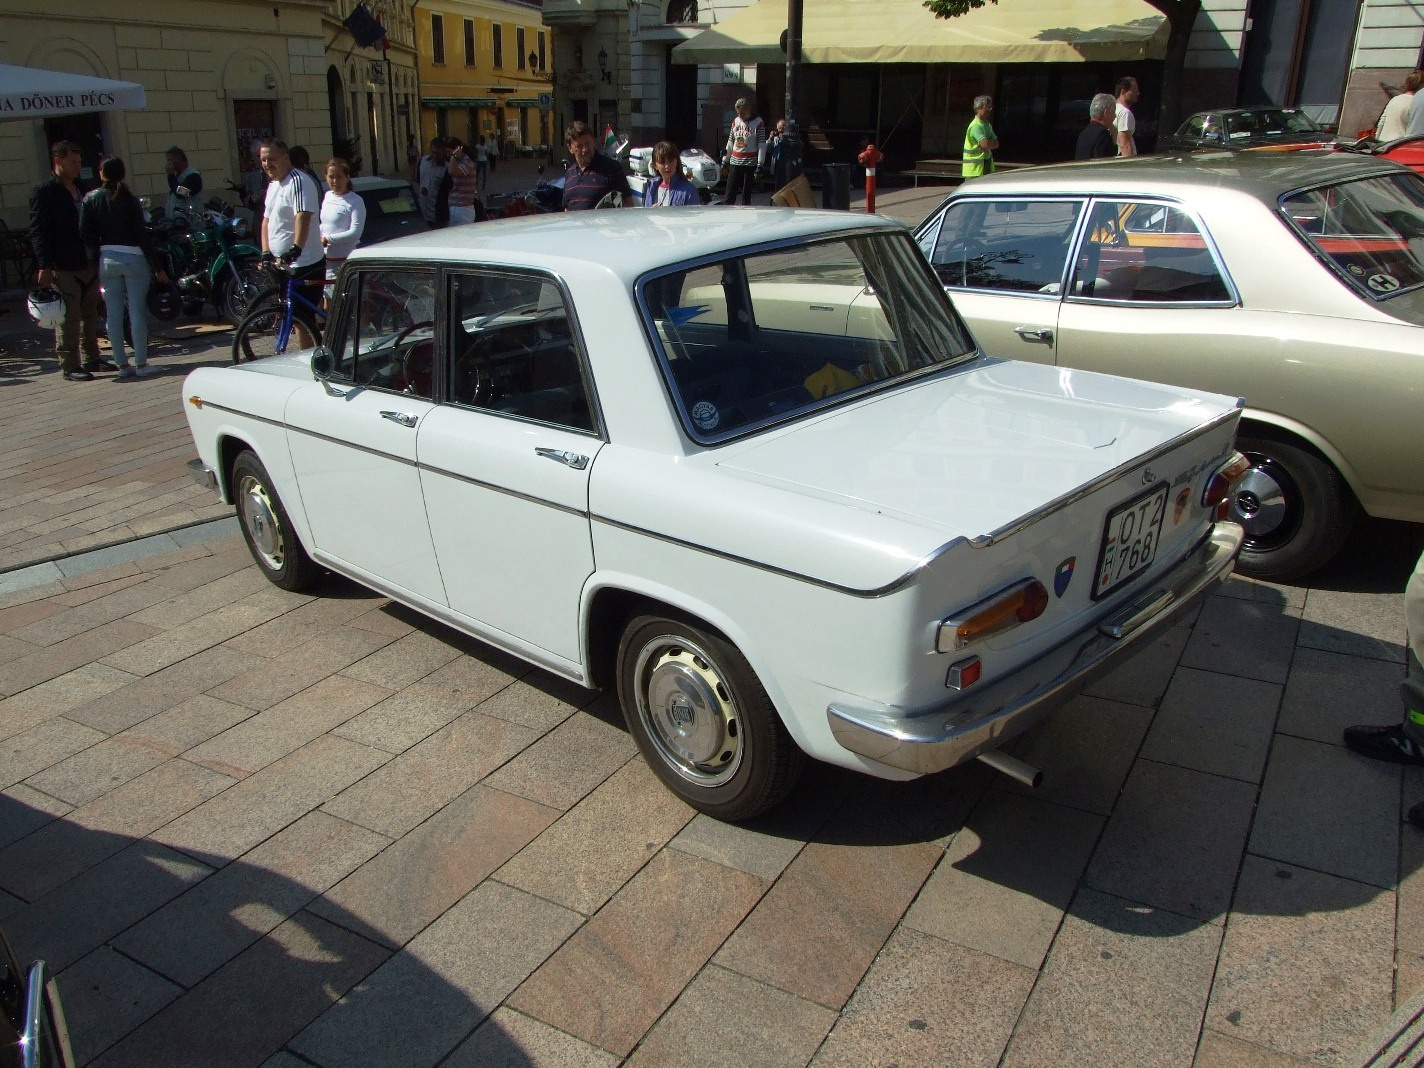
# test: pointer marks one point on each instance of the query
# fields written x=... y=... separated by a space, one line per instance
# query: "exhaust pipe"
x=1013 y=767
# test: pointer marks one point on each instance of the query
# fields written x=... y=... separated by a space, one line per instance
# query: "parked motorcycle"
x=701 y=170
x=546 y=197
x=209 y=256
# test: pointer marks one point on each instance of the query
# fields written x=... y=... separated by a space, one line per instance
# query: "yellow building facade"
x=484 y=72
x=217 y=74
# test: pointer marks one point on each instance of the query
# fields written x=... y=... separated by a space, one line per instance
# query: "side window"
x=388 y=331
x=1146 y=253
x=1017 y=246
x=1193 y=128
x=512 y=349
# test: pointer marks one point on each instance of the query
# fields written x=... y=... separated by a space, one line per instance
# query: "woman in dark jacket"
x=111 y=223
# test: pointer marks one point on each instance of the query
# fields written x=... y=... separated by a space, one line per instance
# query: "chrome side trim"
x=469 y=480
x=976 y=720
x=245 y=415
x=349 y=445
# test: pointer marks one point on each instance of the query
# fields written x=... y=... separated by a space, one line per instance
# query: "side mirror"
x=321 y=363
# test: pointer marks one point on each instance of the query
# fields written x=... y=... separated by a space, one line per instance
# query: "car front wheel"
x=269 y=532
x=702 y=720
x=1295 y=508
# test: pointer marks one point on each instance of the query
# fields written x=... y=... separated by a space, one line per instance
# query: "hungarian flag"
x=364 y=26
x=610 y=140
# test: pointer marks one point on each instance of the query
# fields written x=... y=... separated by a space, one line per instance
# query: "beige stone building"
x=485 y=70
x=372 y=99
x=217 y=73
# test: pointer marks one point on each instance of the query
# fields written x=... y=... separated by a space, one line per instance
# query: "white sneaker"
x=145 y=370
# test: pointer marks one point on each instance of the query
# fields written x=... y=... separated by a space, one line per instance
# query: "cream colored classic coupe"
x=746 y=467
x=1293 y=280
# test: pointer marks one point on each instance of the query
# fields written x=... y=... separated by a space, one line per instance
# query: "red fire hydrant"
x=868 y=159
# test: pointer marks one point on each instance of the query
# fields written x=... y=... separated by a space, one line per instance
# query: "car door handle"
x=577 y=460
x=403 y=418
x=1034 y=333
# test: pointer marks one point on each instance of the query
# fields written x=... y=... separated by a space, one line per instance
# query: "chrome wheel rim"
x=686 y=708
x=260 y=521
x=1266 y=504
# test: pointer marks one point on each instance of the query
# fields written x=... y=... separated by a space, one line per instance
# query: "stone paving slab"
x=416 y=851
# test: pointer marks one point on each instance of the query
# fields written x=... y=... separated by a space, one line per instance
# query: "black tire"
x=1296 y=509
x=256 y=337
x=234 y=298
x=702 y=720
x=269 y=533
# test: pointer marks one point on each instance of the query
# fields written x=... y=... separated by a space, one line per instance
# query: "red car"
x=1407 y=150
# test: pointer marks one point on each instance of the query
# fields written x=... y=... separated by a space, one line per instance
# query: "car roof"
x=1267 y=177
x=628 y=241
x=366 y=183
x=1247 y=109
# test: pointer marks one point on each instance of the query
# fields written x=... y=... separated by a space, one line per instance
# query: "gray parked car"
x=1294 y=281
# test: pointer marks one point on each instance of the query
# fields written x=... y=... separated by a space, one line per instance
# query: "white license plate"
x=1130 y=540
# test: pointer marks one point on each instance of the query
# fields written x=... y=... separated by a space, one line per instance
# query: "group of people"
x=1111 y=129
x=93 y=242
x=1403 y=116
x=451 y=177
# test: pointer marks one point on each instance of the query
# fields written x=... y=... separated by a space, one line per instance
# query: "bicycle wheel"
x=261 y=332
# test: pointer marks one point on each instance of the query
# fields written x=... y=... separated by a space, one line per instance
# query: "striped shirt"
x=464 y=182
x=746 y=144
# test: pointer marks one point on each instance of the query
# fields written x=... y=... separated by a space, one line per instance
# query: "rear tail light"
x=1222 y=485
x=1020 y=603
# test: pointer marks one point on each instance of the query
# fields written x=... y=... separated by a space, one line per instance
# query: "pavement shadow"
x=1378 y=557
x=166 y=957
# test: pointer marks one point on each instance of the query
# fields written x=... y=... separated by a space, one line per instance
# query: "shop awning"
x=904 y=31
x=30 y=93
x=458 y=102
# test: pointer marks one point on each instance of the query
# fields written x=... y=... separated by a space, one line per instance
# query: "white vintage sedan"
x=745 y=466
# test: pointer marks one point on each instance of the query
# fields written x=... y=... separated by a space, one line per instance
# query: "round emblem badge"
x=1382 y=283
x=705 y=416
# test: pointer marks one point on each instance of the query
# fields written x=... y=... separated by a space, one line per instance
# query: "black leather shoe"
x=1416 y=815
x=78 y=376
x=101 y=365
x=1384 y=743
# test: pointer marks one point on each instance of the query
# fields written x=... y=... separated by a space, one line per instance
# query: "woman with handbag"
x=111 y=223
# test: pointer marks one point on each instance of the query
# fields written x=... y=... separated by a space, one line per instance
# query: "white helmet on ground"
x=46 y=306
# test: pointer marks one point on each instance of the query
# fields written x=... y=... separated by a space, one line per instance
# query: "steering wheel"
x=471 y=380
x=418 y=361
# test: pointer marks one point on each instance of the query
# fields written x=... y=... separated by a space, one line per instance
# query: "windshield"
x=1268 y=122
x=1371 y=231
x=755 y=338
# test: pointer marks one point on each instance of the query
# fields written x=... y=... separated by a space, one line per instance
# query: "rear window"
x=764 y=336
x=1371 y=231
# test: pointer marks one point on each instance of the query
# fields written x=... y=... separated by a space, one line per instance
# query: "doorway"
x=679 y=100
x=86 y=131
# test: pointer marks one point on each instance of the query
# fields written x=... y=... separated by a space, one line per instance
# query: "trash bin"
x=835 y=186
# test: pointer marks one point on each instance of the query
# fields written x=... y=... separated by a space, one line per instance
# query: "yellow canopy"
x=904 y=31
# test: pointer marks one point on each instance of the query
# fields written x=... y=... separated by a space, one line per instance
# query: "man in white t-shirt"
x=290 y=232
x=1126 y=123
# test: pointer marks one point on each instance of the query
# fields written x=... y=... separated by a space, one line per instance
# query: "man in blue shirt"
x=591 y=177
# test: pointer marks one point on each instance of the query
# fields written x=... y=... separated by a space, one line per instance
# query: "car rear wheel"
x=269 y=533
x=702 y=720
x=1295 y=508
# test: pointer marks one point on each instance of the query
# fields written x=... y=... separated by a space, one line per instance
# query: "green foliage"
x=948 y=9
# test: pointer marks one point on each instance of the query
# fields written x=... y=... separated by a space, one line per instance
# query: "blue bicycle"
x=275 y=313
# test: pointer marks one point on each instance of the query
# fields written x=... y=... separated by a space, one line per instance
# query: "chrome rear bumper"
x=927 y=740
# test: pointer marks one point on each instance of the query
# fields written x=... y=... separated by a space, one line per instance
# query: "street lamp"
x=603 y=70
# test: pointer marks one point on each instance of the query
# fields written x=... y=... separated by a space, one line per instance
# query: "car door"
x=1150 y=298
x=1003 y=261
x=353 y=436
x=506 y=460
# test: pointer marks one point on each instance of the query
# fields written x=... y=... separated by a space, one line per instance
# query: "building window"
x=498 y=46
x=437 y=38
x=469 y=42
x=543 y=60
x=682 y=11
x=519 y=45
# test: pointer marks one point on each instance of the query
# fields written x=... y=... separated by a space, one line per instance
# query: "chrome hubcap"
x=261 y=523
x=688 y=711
x=1260 y=503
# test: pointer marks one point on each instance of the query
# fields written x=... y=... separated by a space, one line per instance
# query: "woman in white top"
x=343 y=217
x=1394 y=120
